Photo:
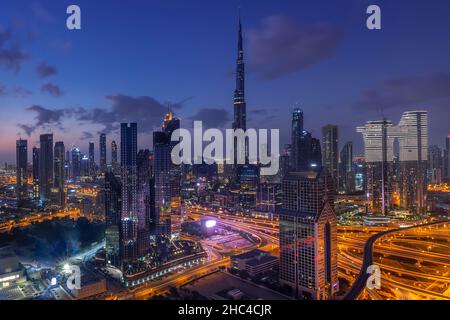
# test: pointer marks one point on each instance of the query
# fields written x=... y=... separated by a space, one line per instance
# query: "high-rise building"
x=114 y=161
x=378 y=139
x=413 y=143
x=330 y=151
x=113 y=204
x=36 y=193
x=346 y=170
x=306 y=153
x=240 y=106
x=59 y=197
x=45 y=168
x=21 y=171
x=102 y=152
x=91 y=158
x=129 y=218
x=76 y=163
x=144 y=201
x=435 y=170
x=308 y=235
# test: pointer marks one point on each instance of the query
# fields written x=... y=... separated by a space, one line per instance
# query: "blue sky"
x=133 y=56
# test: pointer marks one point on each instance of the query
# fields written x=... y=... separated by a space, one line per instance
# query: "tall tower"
x=330 y=152
x=36 y=192
x=114 y=163
x=91 y=158
x=103 y=153
x=46 y=167
x=240 y=112
x=59 y=175
x=129 y=218
x=240 y=107
x=21 y=170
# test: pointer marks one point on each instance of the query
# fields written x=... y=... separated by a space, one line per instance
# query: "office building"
x=35 y=155
x=113 y=203
x=129 y=217
x=144 y=202
x=46 y=168
x=92 y=159
x=308 y=235
x=330 y=151
x=75 y=164
x=102 y=153
x=114 y=161
x=21 y=171
x=59 y=197
x=435 y=170
x=346 y=169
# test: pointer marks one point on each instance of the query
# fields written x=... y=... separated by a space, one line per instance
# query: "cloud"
x=406 y=91
x=211 y=117
x=14 y=91
x=283 y=47
x=44 y=70
x=42 y=13
x=86 y=136
x=146 y=111
x=44 y=118
x=52 y=89
x=11 y=55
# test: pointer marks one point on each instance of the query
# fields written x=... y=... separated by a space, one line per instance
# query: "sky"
x=132 y=58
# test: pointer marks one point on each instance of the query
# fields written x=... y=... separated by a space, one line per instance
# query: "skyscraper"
x=378 y=150
x=114 y=162
x=102 y=152
x=59 y=194
x=36 y=193
x=129 y=217
x=21 y=171
x=413 y=143
x=346 y=171
x=435 y=169
x=46 y=167
x=308 y=235
x=91 y=158
x=330 y=151
x=240 y=106
x=306 y=150
x=113 y=203
x=76 y=163
x=144 y=203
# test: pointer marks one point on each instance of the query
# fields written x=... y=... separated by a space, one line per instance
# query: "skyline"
x=51 y=77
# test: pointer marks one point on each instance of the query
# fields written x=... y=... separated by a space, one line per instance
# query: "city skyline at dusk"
x=66 y=82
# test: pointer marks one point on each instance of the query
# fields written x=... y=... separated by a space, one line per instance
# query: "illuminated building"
x=59 y=192
x=308 y=235
x=240 y=106
x=75 y=164
x=305 y=150
x=378 y=139
x=167 y=181
x=21 y=171
x=113 y=203
x=413 y=142
x=330 y=151
x=91 y=159
x=46 y=167
x=129 y=217
x=435 y=165
x=114 y=161
x=255 y=262
x=447 y=159
x=102 y=153
x=35 y=156
x=268 y=199
x=144 y=202
x=346 y=171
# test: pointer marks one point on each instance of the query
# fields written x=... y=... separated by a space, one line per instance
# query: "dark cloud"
x=282 y=46
x=146 y=111
x=52 y=89
x=44 y=118
x=11 y=55
x=406 y=91
x=86 y=136
x=45 y=70
x=211 y=117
